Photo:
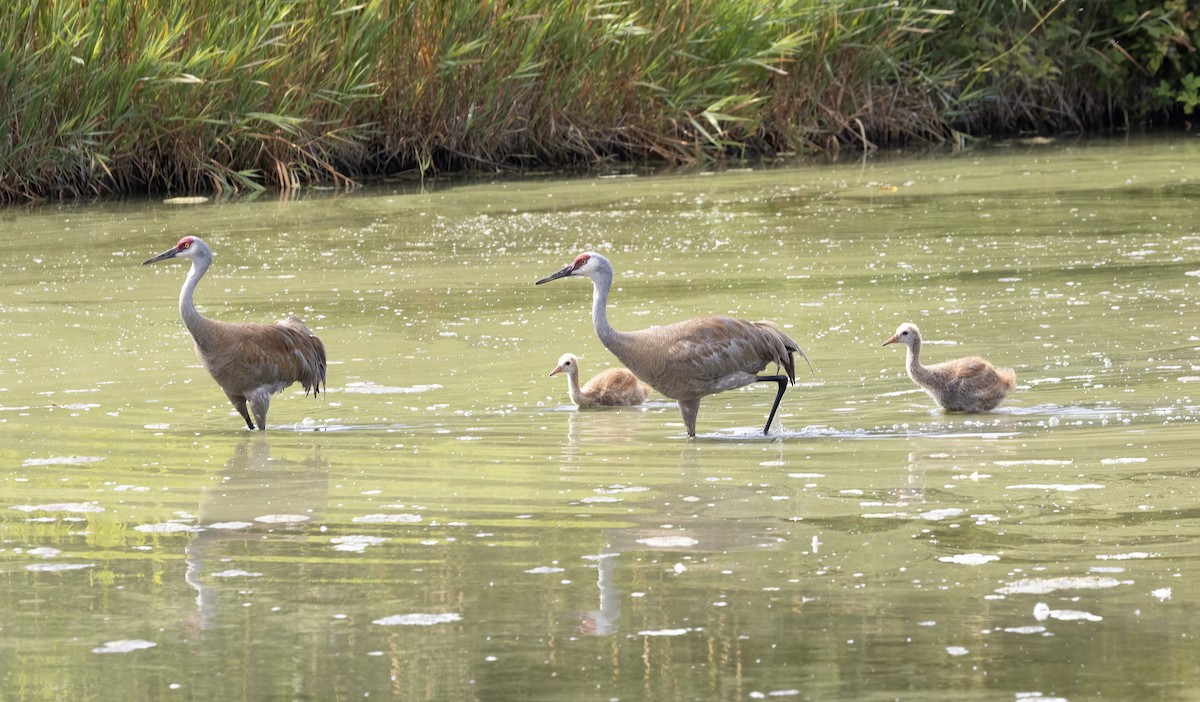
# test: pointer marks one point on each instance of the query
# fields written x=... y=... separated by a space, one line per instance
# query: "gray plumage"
x=250 y=362
x=688 y=360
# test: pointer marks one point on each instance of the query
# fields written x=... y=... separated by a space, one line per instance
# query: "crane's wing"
x=242 y=357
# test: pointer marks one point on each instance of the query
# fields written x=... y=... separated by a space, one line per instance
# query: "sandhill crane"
x=614 y=387
x=690 y=359
x=250 y=362
x=964 y=385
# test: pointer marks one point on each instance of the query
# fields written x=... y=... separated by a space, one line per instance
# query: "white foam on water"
x=665 y=632
x=282 y=518
x=356 y=543
x=668 y=541
x=969 y=559
x=57 y=567
x=1133 y=555
x=237 y=573
x=542 y=570
x=1042 y=612
x=418 y=619
x=60 y=507
x=388 y=519
x=230 y=525
x=1057 y=487
x=165 y=528
x=61 y=461
x=1043 y=586
x=124 y=646
x=369 y=388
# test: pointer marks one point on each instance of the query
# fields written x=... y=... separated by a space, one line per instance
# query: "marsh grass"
x=204 y=95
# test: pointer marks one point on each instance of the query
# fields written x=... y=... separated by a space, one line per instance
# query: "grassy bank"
x=201 y=95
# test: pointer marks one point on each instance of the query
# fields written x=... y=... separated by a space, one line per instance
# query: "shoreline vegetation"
x=203 y=96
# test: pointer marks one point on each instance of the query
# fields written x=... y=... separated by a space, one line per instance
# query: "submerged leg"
x=689 y=409
x=783 y=381
x=260 y=400
x=239 y=404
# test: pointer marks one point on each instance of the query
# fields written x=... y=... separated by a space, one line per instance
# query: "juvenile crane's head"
x=189 y=247
x=567 y=363
x=906 y=334
x=586 y=264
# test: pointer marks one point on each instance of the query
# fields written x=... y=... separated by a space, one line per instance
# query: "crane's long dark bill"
x=566 y=271
x=169 y=253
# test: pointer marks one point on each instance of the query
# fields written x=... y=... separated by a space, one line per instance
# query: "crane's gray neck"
x=611 y=338
x=187 y=307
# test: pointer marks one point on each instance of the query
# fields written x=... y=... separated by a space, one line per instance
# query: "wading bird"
x=964 y=385
x=690 y=359
x=250 y=362
x=615 y=387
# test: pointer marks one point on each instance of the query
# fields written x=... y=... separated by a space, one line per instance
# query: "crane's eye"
x=581 y=259
x=185 y=244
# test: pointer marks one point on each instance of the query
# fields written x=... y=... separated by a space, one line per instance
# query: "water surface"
x=443 y=524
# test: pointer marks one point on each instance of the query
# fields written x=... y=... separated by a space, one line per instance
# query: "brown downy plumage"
x=614 y=387
x=964 y=385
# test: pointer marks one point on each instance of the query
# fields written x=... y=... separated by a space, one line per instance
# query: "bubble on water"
x=230 y=525
x=665 y=632
x=60 y=507
x=619 y=489
x=1043 y=586
x=282 y=518
x=969 y=559
x=1042 y=612
x=1163 y=593
x=418 y=619
x=388 y=519
x=60 y=461
x=1133 y=555
x=165 y=528
x=1057 y=487
x=124 y=646
x=602 y=499
x=369 y=388
x=57 y=567
x=1116 y=461
x=668 y=541
x=542 y=570
x=1031 y=629
x=1035 y=462
x=957 y=651
x=936 y=515
x=356 y=543
x=44 y=552
x=236 y=573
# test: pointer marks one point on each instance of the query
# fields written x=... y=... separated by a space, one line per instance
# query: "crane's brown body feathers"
x=705 y=355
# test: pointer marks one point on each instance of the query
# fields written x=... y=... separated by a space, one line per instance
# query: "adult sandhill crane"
x=615 y=387
x=690 y=359
x=964 y=385
x=250 y=362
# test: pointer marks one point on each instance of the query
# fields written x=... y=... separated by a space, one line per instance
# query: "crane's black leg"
x=782 y=380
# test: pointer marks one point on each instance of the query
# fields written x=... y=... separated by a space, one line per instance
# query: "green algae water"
x=444 y=524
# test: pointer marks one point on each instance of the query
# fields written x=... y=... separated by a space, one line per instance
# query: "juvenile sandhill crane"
x=690 y=359
x=964 y=385
x=615 y=387
x=250 y=362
